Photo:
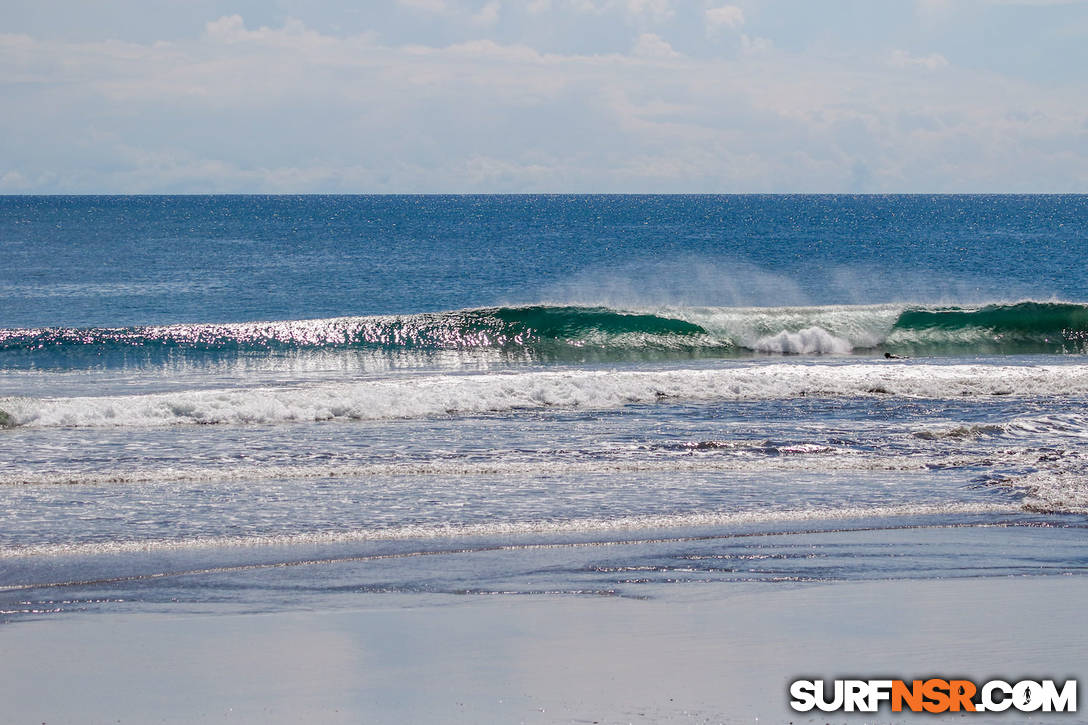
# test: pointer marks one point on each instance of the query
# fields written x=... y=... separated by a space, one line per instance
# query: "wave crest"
x=571 y=332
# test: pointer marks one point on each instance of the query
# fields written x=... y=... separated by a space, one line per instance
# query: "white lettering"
x=988 y=701
x=803 y=693
x=1065 y=701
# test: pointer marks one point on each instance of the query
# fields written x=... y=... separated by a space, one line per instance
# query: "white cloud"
x=931 y=62
x=725 y=16
x=13 y=181
x=649 y=45
x=942 y=5
x=586 y=6
x=655 y=11
x=232 y=29
x=640 y=11
x=489 y=50
x=430 y=6
x=291 y=109
x=227 y=28
x=488 y=14
x=754 y=44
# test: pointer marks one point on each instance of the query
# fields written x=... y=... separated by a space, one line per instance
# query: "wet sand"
x=706 y=653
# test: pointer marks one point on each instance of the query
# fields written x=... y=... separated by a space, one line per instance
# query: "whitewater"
x=466 y=394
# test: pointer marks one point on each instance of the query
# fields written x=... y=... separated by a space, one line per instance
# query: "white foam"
x=437 y=395
x=1051 y=426
x=1056 y=490
x=803 y=342
x=797 y=458
x=512 y=528
x=835 y=329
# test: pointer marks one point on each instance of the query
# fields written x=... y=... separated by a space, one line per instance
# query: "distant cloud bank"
x=546 y=95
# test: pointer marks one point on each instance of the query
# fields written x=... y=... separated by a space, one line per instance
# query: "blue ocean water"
x=198 y=394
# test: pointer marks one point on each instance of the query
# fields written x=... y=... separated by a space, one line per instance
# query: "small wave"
x=444 y=395
x=960 y=432
x=1055 y=492
x=503 y=529
x=777 y=459
x=747 y=447
x=701 y=457
x=1051 y=425
x=1058 y=486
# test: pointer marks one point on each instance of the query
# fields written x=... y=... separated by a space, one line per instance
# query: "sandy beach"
x=706 y=652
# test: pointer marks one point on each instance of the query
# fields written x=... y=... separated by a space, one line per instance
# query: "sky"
x=577 y=96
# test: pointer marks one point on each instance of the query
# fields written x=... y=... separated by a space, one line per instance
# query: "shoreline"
x=711 y=653
x=685 y=629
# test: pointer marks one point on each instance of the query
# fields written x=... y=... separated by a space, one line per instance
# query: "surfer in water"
x=890 y=356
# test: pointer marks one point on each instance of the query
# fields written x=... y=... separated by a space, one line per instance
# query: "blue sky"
x=196 y=96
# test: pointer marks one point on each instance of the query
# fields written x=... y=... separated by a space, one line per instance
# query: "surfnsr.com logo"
x=933 y=695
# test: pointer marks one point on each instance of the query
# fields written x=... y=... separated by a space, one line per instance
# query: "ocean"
x=263 y=403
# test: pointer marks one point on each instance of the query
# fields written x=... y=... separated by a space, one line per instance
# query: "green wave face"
x=538 y=331
x=549 y=332
x=1024 y=327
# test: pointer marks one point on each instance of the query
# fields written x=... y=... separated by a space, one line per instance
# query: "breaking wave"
x=421 y=396
x=569 y=332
